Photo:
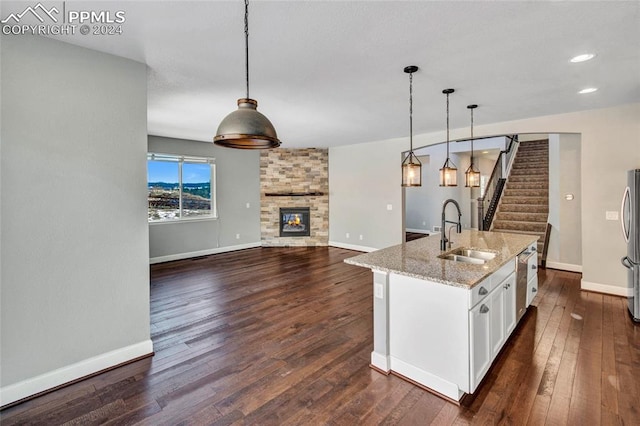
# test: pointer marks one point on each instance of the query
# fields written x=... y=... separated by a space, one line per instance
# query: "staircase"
x=524 y=207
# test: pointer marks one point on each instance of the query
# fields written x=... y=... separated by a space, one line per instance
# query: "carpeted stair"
x=524 y=206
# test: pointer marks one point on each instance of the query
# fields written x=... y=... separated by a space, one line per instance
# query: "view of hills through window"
x=178 y=190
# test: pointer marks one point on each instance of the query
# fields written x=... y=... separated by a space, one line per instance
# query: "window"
x=180 y=187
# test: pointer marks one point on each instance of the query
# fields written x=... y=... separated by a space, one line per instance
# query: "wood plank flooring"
x=282 y=336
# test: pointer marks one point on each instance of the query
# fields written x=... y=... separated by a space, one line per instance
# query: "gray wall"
x=75 y=272
x=363 y=180
x=565 y=216
x=238 y=183
x=609 y=147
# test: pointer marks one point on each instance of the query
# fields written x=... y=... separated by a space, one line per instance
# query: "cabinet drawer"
x=480 y=291
x=532 y=263
x=502 y=273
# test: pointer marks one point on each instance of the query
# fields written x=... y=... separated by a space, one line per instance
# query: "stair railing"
x=488 y=202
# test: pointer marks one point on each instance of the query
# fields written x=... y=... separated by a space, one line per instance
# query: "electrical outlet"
x=361 y=237
x=346 y=235
x=424 y=223
x=378 y=291
x=611 y=215
x=248 y=205
x=237 y=236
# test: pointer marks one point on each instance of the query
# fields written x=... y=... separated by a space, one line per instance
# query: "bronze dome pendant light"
x=246 y=128
x=472 y=175
x=411 y=166
x=449 y=171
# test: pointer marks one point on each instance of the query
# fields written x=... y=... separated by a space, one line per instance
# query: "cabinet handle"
x=534 y=248
x=534 y=267
x=482 y=291
x=484 y=309
x=534 y=290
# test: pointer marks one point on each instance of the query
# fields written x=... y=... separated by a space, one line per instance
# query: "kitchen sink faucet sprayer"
x=443 y=237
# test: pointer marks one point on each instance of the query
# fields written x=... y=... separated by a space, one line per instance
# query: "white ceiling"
x=330 y=73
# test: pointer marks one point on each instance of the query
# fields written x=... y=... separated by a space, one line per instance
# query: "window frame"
x=181 y=160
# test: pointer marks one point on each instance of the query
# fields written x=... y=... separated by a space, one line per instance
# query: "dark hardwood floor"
x=282 y=336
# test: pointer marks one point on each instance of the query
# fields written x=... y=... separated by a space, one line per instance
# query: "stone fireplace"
x=294 y=179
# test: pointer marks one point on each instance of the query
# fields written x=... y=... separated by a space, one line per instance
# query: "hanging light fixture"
x=472 y=175
x=411 y=166
x=448 y=172
x=246 y=128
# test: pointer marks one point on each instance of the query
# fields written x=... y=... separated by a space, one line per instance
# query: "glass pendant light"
x=472 y=175
x=411 y=166
x=449 y=171
x=246 y=128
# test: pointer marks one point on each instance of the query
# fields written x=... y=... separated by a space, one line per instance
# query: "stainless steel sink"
x=464 y=259
x=466 y=255
x=476 y=254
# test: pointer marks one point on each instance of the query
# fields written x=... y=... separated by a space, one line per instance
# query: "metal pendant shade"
x=246 y=128
x=472 y=175
x=411 y=166
x=449 y=171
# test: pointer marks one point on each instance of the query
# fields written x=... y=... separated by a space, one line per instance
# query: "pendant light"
x=411 y=166
x=246 y=128
x=472 y=175
x=448 y=172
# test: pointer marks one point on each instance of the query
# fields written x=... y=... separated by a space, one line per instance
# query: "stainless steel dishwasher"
x=521 y=282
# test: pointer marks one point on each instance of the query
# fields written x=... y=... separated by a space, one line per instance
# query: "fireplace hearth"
x=295 y=222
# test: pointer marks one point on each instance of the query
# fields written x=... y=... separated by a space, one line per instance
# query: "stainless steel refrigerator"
x=630 y=218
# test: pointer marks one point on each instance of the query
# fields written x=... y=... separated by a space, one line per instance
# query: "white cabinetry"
x=446 y=337
x=480 y=344
x=510 y=320
x=532 y=274
x=491 y=321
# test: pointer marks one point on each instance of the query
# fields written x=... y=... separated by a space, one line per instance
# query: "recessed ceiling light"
x=583 y=57
x=588 y=90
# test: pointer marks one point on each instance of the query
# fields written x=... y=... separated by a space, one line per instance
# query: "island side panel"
x=380 y=354
x=429 y=334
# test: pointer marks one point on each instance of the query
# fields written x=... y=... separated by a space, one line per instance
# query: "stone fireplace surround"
x=294 y=178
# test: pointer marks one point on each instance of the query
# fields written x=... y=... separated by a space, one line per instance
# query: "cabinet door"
x=480 y=353
x=532 y=289
x=496 y=318
x=509 y=292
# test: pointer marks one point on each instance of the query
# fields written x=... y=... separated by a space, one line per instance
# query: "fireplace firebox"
x=295 y=222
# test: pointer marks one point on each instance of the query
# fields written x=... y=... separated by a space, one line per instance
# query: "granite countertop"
x=419 y=258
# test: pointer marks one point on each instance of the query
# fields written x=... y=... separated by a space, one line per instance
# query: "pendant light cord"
x=447 y=127
x=472 y=137
x=246 y=42
x=410 y=113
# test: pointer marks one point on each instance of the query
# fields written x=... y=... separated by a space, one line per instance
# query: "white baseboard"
x=564 y=266
x=352 y=247
x=189 y=255
x=418 y=231
x=605 y=288
x=381 y=362
x=60 y=376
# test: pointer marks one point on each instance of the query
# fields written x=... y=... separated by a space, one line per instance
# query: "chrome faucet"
x=443 y=238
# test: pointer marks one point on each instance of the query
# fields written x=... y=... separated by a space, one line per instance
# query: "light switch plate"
x=612 y=215
x=389 y=207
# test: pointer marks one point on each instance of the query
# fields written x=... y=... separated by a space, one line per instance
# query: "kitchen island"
x=441 y=319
